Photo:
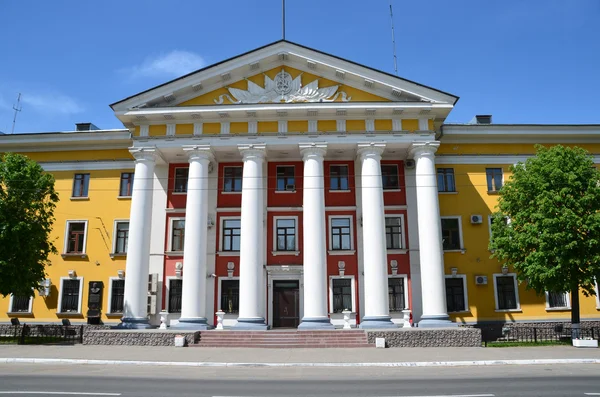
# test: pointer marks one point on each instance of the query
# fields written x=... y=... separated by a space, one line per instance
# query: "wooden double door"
x=286 y=303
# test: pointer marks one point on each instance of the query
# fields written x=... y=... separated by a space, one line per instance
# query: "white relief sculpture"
x=283 y=89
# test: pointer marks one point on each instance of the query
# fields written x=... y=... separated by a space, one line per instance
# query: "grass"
x=529 y=344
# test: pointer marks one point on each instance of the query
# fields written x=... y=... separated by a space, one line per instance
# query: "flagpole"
x=283 y=18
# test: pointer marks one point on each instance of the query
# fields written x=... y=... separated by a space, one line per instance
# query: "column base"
x=197 y=324
x=134 y=323
x=436 y=321
x=316 y=323
x=251 y=324
x=370 y=322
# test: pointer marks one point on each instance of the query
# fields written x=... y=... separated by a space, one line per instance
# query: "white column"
x=314 y=237
x=135 y=309
x=430 y=237
x=193 y=302
x=377 y=312
x=251 y=262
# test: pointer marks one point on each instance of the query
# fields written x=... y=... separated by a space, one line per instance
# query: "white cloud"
x=174 y=64
x=51 y=103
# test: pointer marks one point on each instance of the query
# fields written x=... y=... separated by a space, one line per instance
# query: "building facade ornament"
x=283 y=89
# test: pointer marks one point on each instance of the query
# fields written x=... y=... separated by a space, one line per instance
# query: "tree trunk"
x=575 y=319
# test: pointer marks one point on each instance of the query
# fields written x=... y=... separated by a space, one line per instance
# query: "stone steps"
x=284 y=339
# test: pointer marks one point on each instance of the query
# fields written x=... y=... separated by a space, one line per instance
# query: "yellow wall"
x=184 y=129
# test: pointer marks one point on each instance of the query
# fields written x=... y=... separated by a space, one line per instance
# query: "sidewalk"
x=141 y=355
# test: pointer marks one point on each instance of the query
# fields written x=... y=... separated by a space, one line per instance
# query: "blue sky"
x=524 y=61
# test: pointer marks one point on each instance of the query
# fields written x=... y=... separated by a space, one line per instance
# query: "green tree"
x=27 y=202
x=547 y=226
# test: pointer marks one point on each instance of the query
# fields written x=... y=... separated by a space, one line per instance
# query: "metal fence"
x=41 y=334
x=540 y=335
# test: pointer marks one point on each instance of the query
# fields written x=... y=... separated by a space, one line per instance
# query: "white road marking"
x=592 y=394
x=450 y=395
x=61 y=393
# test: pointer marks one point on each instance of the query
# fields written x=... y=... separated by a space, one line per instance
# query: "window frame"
x=116 y=236
x=168 y=280
x=67 y=237
x=109 y=312
x=352 y=291
x=233 y=178
x=175 y=191
x=171 y=230
x=461 y=247
x=488 y=186
x=567 y=296
x=130 y=180
x=85 y=186
x=444 y=177
x=330 y=218
x=390 y=189
x=465 y=292
x=60 y=296
x=10 y=306
x=285 y=179
x=405 y=286
x=296 y=249
x=220 y=289
x=514 y=276
x=331 y=189
x=221 y=236
x=402 y=233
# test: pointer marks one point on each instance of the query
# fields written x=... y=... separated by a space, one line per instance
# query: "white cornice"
x=88 y=165
x=489 y=159
x=57 y=141
x=520 y=133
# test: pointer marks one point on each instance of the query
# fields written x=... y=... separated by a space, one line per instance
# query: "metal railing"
x=538 y=335
x=41 y=334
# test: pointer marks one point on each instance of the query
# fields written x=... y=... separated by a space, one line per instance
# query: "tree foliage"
x=547 y=226
x=27 y=202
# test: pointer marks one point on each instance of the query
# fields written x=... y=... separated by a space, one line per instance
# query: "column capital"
x=312 y=149
x=418 y=149
x=144 y=154
x=199 y=152
x=370 y=149
x=258 y=150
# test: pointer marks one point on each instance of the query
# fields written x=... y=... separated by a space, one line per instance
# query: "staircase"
x=284 y=339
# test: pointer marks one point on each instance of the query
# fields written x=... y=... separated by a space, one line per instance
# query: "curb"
x=223 y=364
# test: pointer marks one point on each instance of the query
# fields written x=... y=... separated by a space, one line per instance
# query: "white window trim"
x=398 y=189
x=347 y=177
x=66 y=244
x=114 y=244
x=465 y=294
x=175 y=178
x=460 y=232
x=60 y=295
x=167 y=291
x=597 y=296
x=231 y=166
x=10 y=306
x=403 y=237
x=561 y=308
x=110 y=288
x=276 y=176
x=221 y=227
x=514 y=276
x=352 y=290
x=330 y=231
x=406 y=302
x=220 y=280
x=171 y=221
x=295 y=252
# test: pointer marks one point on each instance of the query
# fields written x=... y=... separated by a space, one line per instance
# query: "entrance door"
x=286 y=303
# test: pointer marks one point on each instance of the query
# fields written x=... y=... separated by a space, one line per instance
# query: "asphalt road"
x=84 y=380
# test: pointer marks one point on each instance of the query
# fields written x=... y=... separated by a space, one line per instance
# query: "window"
x=81 y=183
x=232 y=179
x=340 y=234
x=445 y=180
x=507 y=297
x=230 y=296
x=455 y=294
x=231 y=235
x=70 y=295
x=491 y=219
x=557 y=300
x=494 y=179
x=342 y=294
x=126 y=187
x=338 y=177
x=20 y=304
x=181 y=180
x=451 y=234
x=393 y=233
x=389 y=177
x=117 y=295
x=396 y=294
x=121 y=237
x=175 y=295
x=177 y=234
x=285 y=178
x=286 y=234
x=75 y=243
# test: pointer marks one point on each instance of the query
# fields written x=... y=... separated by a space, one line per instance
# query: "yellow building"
x=280 y=188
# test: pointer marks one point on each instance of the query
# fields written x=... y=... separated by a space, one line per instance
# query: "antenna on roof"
x=17 y=109
x=283 y=18
x=393 y=40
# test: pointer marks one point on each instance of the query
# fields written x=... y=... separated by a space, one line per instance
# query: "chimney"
x=481 y=119
x=85 y=127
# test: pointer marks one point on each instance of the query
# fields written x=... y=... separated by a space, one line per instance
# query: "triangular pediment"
x=283 y=72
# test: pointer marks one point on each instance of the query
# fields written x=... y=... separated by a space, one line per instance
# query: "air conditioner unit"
x=290 y=188
x=480 y=280
x=151 y=304
x=410 y=164
x=153 y=283
x=476 y=219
